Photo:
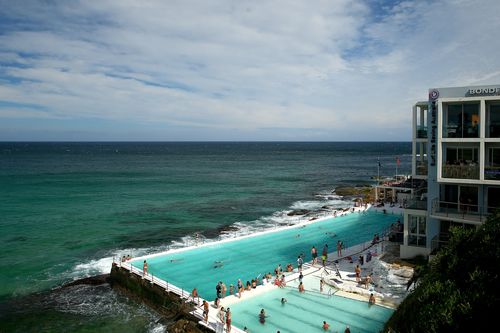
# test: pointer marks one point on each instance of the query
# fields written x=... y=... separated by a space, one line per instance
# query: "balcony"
x=470 y=171
x=421 y=132
x=421 y=168
x=417 y=204
x=492 y=172
x=460 y=212
x=439 y=241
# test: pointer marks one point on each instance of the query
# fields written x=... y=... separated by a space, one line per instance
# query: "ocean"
x=66 y=209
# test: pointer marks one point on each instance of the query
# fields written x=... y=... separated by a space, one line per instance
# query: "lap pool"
x=247 y=257
x=306 y=313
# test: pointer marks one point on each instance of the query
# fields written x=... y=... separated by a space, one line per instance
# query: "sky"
x=235 y=70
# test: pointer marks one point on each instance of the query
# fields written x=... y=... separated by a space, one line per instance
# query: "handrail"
x=463 y=210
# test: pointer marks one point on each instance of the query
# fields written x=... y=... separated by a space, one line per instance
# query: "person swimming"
x=262 y=316
x=175 y=260
x=218 y=264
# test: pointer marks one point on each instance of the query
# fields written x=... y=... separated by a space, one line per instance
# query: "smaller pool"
x=306 y=312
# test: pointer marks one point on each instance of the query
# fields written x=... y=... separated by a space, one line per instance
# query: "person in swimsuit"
x=357 y=270
x=301 y=288
x=240 y=288
x=144 y=269
x=314 y=255
x=223 y=289
x=371 y=301
x=222 y=315
x=324 y=254
x=326 y=326
x=228 y=320
x=205 y=310
x=262 y=316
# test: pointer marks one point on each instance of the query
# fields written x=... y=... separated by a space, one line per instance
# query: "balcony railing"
x=421 y=132
x=422 y=168
x=492 y=173
x=455 y=131
x=417 y=204
x=460 y=211
x=470 y=171
x=439 y=241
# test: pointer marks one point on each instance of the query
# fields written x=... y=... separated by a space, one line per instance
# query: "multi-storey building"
x=456 y=148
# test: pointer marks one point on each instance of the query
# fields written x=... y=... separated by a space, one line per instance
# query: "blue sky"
x=338 y=70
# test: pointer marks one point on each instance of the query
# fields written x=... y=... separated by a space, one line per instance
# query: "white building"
x=456 y=148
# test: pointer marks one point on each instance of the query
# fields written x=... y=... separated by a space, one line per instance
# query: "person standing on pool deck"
x=357 y=270
x=228 y=320
x=218 y=290
x=321 y=283
x=223 y=289
x=222 y=317
x=205 y=310
x=240 y=288
x=299 y=263
x=324 y=255
x=314 y=255
x=144 y=269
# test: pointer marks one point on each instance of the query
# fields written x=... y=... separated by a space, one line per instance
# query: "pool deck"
x=291 y=278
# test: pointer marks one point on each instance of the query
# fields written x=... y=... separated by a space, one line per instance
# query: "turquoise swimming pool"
x=246 y=258
x=306 y=313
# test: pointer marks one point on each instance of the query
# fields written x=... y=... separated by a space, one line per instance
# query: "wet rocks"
x=297 y=212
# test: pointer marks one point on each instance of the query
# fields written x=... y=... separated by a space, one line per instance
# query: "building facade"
x=456 y=149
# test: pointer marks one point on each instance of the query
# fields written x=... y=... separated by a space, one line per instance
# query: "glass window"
x=416 y=231
x=462 y=121
x=421 y=226
x=413 y=225
x=493 y=127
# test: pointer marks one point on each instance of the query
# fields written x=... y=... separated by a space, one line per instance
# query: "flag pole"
x=378 y=171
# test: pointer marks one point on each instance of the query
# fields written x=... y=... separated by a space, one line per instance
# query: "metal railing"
x=467 y=212
x=168 y=287
x=421 y=132
x=461 y=171
x=492 y=173
x=438 y=242
x=421 y=168
x=417 y=204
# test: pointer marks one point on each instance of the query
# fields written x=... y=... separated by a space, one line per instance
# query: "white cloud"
x=309 y=71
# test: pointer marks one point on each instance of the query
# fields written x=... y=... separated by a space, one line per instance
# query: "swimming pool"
x=246 y=258
x=306 y=313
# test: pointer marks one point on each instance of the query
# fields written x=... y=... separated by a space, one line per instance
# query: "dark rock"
x=92 y=280
x=298 y=212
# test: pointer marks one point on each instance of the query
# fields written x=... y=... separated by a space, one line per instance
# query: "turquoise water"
x=305 y=312
x=67 y=208
x=248 y=257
